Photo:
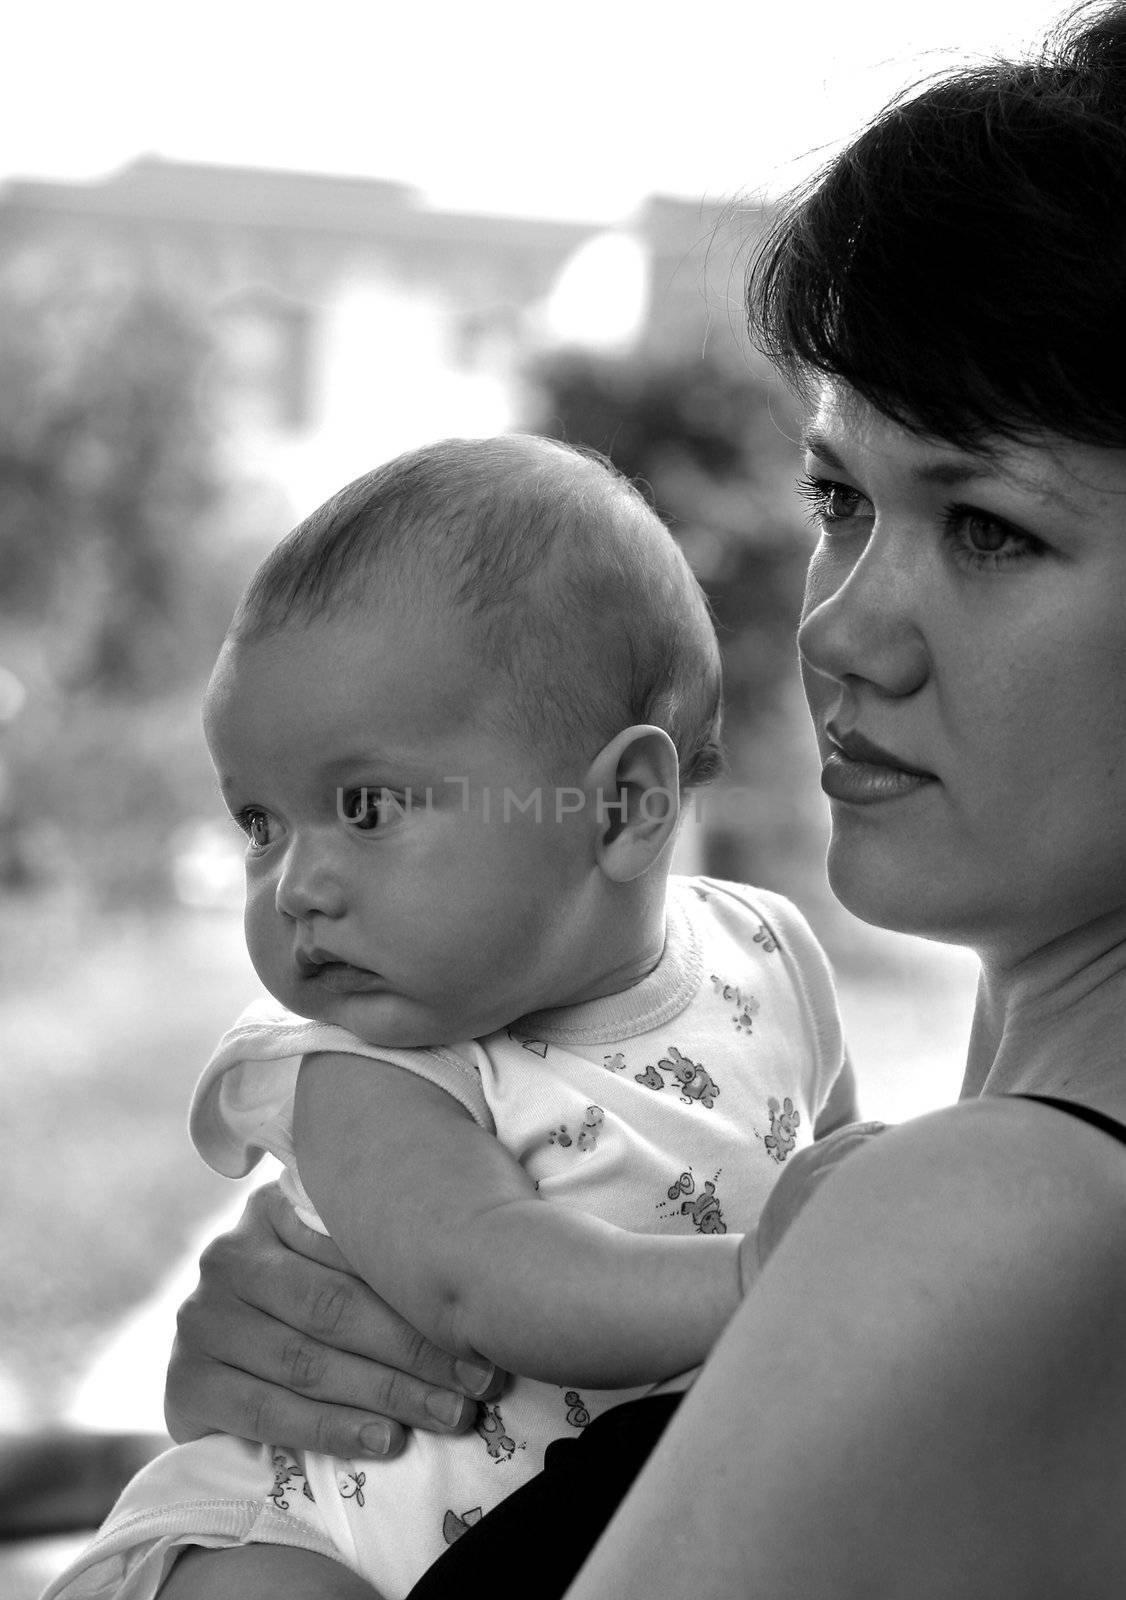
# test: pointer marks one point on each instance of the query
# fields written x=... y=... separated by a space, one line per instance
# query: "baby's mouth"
x=332 y=972
x=338 y=977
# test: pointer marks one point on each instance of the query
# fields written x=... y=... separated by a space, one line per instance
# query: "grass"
x=106 y=1022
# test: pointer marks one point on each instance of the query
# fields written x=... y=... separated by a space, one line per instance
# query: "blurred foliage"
x=700 y=436
x=115 y=590
x=705 y=438
x=106 y=473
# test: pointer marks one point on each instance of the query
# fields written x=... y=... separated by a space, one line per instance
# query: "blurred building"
x=351 y=320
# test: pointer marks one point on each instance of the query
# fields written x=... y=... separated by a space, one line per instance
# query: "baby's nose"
x=310 y=881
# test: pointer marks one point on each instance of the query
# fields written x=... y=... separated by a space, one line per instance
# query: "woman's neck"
x=1052 y=1022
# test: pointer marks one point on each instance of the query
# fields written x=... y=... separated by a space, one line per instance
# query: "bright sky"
x=559 y=107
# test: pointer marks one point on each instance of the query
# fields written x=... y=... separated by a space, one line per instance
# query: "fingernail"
x=375 y=1438
x=474 y=1380
x=445 y=1407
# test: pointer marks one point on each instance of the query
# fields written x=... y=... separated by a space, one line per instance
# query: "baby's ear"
x=635 y=784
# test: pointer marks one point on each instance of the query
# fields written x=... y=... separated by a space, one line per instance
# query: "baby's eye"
x=256 y=825
x=984 y=533
x=369 y=809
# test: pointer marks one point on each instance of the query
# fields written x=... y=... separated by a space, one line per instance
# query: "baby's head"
x=558 y=573
x=454 y=714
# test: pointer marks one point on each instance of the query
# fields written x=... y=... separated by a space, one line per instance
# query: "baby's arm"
x=435 y=1212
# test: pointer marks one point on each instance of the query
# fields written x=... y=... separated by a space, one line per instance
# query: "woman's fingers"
x=279 y=1341
x=203 y=1395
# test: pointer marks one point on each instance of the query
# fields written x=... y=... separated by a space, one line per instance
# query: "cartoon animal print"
x=286 y=1476
x=577 y=1414
x=746 y=1005
x=695 y=1083
x=784 y=1122
x=536 y=1046
x=592 y=1126
x=351 y=1486
x=490 y=1426
x=704 y=1211
x=615 y=1062
x=766 y=939
x=454 y=1526
x=587 y=1136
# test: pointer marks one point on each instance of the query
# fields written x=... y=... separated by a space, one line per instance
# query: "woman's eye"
x=828 y=501
x=369 y=809
x=985 y=541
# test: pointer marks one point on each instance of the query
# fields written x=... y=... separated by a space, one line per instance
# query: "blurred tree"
x=700 y=434
x=106 y=471
x=704 y=436
x=115 y=581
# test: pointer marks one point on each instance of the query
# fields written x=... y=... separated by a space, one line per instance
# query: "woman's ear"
x=634 y=783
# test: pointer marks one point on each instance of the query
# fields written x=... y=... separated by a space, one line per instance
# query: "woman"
x=925 y=1392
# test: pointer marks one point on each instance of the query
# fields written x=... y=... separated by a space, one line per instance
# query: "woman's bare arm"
x=923 y=1395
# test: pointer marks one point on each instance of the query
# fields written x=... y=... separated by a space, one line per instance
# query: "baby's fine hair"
x=573 y=585
x=962 y=264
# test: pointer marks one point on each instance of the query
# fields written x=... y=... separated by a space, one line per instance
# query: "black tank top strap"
x=1097 y=1119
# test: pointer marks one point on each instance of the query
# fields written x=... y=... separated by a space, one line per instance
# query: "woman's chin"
x=900 y=901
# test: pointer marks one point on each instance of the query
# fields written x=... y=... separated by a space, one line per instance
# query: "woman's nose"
x=864 y=619
x=310 y=881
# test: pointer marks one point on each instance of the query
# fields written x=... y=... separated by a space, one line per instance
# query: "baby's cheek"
x=266 y=945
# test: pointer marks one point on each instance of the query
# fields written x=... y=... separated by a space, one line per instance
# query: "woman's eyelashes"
x=830 y=502
x=984 y=541
x=975 y=538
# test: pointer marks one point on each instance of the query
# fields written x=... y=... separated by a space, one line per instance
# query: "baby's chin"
x=368 y=1006
x=390 y=1021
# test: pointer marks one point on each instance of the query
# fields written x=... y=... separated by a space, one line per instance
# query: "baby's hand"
x=803 y=1171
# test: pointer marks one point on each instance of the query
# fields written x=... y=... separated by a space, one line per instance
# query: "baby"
x=536 y=1089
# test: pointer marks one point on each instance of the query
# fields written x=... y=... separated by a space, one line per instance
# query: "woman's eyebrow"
x=815 y=443
x=947 y=473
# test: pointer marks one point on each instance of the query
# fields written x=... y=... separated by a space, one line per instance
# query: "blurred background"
x=243 y=260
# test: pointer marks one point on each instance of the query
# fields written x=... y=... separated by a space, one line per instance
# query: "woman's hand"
x=804 y=1170
x=281 y=1341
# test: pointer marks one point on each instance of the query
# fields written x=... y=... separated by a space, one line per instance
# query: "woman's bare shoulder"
x=1002 y=1134
x=1002 y=1183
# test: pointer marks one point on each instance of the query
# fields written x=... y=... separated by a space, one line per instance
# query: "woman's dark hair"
x=962 y=264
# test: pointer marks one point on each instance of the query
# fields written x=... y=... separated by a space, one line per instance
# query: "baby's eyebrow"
x=400 y=762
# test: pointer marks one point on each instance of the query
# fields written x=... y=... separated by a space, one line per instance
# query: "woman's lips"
x=862 y=772
x=865 y=782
